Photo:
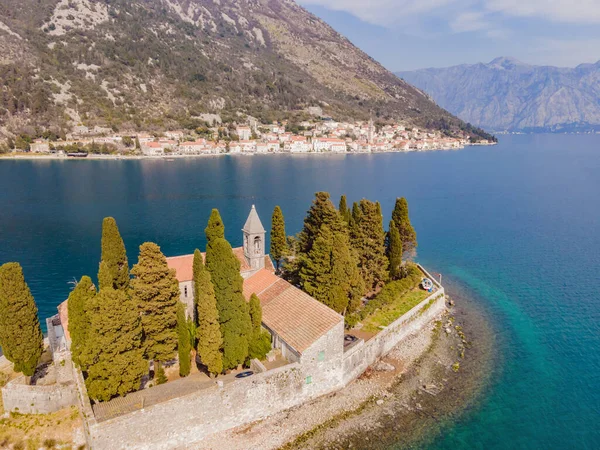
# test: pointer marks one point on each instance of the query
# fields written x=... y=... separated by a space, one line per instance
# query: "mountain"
x=509 y=95
x=159 y=64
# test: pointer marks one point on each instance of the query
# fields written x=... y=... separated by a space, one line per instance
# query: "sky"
x=414 y=34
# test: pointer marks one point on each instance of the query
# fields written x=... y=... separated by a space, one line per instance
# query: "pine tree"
x=114 y=256
x=401 y=219
x=184 y=346
x=234 y=317
x=279 y=248
x=368 y=239
x=155 y=292
x=20 y=334
x=344 y=210
x=79 y=301
x=394 y=251
x=209 y=329
x=116 y=364
x=260 y=343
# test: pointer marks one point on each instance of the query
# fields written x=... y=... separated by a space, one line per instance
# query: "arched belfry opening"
x=254 y=240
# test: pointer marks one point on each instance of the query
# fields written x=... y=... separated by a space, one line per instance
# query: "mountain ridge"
x=509 y=95
x=161 y=64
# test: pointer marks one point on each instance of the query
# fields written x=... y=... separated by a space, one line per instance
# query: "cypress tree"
x=234 y=317
x=394 y=251
x=79 y=301
x=209 y=329
x=368 y=239
x=344 y=210
x=114 y=256
x=322 y=212
x=184 y=346
x=330 y=272
x=346 y=277
x=260 y=343
x=155 y=291
x=20 y=334
x=197 y=267
x=402 y=220
x=279 y=247
x=116 y=363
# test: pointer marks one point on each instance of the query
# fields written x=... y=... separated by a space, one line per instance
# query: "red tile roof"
x=183 y=265
x=295 y=316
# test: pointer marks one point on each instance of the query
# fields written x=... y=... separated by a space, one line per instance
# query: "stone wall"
x=362 y=355
x=186 y=420
x=22 y=398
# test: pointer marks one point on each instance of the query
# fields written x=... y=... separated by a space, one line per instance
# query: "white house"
x=329 y=145
x=244 y=133
x=297 y=144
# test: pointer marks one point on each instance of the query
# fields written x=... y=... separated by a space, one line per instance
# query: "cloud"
x=570 y=11
x=469 y=21
x=458 y=12
x=382 y=12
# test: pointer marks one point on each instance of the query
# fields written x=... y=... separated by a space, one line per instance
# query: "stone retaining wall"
x=22 y=398
x=364 y=354
x=179 y=423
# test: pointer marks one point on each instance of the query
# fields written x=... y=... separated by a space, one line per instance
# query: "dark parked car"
x=245 y=374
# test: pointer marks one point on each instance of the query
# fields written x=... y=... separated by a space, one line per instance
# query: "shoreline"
x=90 y=157
x=397 y=401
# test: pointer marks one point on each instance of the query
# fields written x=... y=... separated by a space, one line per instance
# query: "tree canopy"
x=113 y=256
x=155 y=292
x=115 y=346
x=20 y=334
x=234 y=317
x=208 y=332
x=79 y=301
x=401 y=218
x=279 y=247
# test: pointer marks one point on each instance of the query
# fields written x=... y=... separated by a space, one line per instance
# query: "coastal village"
x=322 y=136
x=304 y=339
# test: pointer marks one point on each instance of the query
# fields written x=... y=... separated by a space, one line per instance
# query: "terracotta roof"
x=295 y=316
x=183 y=265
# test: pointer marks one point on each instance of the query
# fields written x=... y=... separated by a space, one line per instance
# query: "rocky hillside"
x=509 y=95
x=158 y=64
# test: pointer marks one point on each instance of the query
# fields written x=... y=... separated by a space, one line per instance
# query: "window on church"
x=257 y=245
x=321 y=356
x=185 y=291
x=309 y=379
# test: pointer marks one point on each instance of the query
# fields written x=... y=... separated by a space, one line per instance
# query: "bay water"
x=517 y=224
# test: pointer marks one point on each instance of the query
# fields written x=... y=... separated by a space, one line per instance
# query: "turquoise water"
x=517 y=224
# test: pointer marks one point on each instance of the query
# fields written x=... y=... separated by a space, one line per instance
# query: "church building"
x=304 y=329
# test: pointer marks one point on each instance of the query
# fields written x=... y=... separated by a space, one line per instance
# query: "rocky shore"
x=402 y=399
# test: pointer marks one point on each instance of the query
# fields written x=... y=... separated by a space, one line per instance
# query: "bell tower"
x=254 y=241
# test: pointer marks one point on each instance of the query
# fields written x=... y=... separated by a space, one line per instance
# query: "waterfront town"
x=325 y=136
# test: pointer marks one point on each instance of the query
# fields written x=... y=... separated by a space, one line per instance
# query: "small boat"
x=427 y=284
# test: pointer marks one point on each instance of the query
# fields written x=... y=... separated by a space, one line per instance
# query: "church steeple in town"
x=254 y=240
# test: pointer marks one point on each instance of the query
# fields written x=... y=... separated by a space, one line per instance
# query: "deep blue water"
x=518 y=224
